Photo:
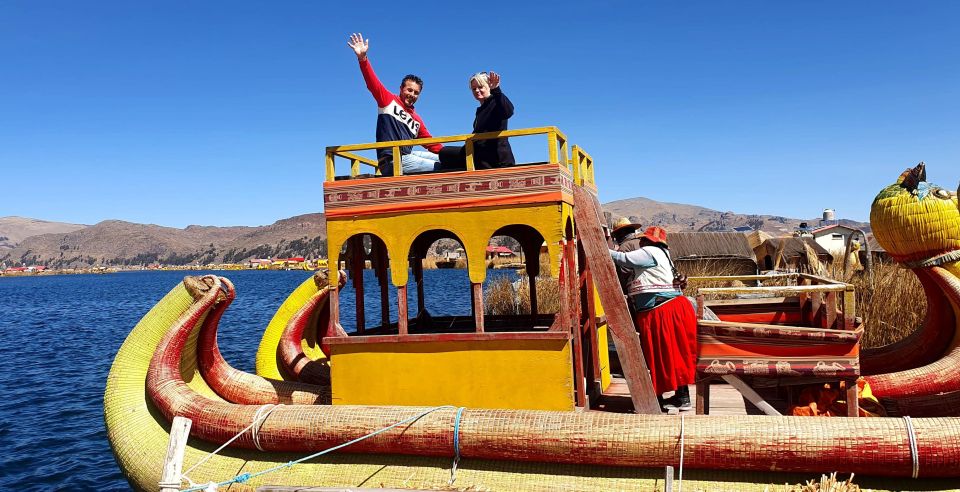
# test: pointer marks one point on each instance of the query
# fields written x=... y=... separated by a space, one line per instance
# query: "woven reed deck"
x=724 y=400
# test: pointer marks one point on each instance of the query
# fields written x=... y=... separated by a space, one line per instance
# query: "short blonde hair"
x=481 y=79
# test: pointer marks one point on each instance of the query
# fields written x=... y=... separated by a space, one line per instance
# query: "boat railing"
x=558 y=149
x=821 y=300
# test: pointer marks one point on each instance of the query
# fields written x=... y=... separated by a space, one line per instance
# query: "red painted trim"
x=451 y=337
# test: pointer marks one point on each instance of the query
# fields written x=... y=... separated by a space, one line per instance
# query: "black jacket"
x=492 y=116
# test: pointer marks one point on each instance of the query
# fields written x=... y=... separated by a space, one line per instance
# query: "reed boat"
x=529 y=401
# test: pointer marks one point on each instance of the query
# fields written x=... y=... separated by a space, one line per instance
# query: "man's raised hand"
x=359 y=45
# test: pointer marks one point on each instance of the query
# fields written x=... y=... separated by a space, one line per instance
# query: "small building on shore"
x=834 y=238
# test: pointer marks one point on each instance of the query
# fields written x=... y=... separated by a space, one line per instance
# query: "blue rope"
x=243 y=477
x=456 y=445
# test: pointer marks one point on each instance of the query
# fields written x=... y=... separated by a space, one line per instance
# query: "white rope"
x=680 y=471
x=914 y=454
x=258 y=419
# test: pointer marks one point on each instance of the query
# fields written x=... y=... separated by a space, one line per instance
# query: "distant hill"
x=114 y=242
x=16 y=229
x=681 y=217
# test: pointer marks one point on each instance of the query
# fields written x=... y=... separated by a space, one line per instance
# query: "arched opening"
x=438 y=262
x=368 y=292
x=518 y=291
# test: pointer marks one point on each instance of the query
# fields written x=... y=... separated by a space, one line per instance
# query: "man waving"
x=396 y=117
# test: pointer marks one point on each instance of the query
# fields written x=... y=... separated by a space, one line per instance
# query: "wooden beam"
x=703 y=396
x=750 y=326
x=776 y=289
x=356 y=270
x=816 y=310
x=587 y=212
x=744 y=277
x=750 y=394
x=402 y=309
x=171 y=476
x=418 y=278
x=853 y=404
x=478 y=305
x=750 y=302
x=830 y=311
x=381 y=261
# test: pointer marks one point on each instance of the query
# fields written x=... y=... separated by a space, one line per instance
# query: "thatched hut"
x=793 y=253
x=725 y=253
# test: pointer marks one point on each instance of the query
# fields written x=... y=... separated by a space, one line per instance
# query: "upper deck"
x=548 y=181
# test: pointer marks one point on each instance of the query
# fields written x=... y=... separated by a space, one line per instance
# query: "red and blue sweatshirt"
x=395 y=120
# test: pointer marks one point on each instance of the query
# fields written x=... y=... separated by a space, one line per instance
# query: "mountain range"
x=25 y=241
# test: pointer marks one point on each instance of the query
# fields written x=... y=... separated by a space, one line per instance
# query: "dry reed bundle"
x=503 y=297
x=892 y=306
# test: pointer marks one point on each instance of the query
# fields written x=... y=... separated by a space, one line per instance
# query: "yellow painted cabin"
x=508 y=361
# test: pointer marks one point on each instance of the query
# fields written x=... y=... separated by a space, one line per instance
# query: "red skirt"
x=668 y=338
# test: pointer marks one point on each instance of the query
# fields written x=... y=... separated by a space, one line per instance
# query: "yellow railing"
x=558 y=152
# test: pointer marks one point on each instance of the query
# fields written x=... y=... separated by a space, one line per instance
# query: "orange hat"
x=624 y=224
x=656 y=234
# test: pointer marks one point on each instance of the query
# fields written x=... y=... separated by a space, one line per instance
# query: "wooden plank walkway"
x=724 y=399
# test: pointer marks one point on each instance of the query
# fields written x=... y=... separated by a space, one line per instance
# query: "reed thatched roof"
x=793 y=247
x=756 y=238
x=709 y=245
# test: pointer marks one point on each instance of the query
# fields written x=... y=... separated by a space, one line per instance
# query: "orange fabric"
x=825 y=401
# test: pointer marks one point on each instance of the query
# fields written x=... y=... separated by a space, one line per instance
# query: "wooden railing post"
x=397 y=165
x=849 y=308
x=171 y=476
x=577 y=172
x=564 y=152
x=468 y=149
x=830 y=311
x=331 y=172
x=552 y=143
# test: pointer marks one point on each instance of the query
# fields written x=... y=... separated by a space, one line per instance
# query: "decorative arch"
x=355 y=251
x=419 y=248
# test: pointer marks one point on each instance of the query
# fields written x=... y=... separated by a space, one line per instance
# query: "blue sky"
x=217 y=113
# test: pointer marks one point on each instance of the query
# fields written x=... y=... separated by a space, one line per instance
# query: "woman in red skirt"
x=664 y=319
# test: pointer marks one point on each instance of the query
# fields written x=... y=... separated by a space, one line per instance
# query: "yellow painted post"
x=577 y=180
x=468 y=148
x=397 y=168
x=849 y=309
x=552 y=143
x=354 y=168
x=593 y=178
x=331 y=173
x=564 y=152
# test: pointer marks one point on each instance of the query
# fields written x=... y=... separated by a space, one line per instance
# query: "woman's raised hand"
x=493 y=78
x=359 y=45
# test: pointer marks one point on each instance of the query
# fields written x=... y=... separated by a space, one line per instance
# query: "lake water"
x=61 y=333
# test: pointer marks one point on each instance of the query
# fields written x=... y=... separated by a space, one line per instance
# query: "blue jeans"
x=419 y=161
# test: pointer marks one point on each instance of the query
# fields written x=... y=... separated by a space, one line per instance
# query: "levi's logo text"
x=402 y=116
